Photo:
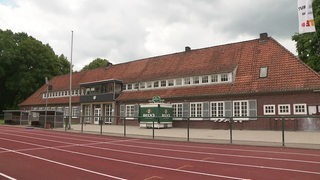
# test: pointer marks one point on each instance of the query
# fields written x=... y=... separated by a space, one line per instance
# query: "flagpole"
x=70 y=85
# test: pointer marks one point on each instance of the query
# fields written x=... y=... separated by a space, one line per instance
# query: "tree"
x=24 y=64
x=98 y=62
x=308 y=44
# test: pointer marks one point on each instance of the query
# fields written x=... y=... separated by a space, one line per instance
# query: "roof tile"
x=285 y=72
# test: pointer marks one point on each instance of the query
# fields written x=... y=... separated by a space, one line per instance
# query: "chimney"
x=187 y=48
x=263 y=36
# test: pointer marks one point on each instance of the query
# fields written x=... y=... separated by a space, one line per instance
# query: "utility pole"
x=70 y=90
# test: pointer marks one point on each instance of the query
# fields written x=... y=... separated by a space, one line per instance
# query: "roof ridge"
x=192 y=50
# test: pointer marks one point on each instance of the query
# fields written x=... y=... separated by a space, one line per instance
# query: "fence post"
x=82 y=119
x=153 y=128
x=282 y=124
x=124 y=127
x=100 y=122
x=65 y=123
x=188 y=129
x=230 y=125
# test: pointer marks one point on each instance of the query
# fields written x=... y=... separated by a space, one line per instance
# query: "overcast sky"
x=127 y=30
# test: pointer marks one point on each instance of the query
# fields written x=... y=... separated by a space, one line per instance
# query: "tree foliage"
x=24 y=64
x=98 y=62
x=308 y=44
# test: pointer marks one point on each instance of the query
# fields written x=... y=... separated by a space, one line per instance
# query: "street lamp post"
x=70 y=92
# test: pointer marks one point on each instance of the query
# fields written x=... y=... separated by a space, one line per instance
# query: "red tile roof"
x=285 y=72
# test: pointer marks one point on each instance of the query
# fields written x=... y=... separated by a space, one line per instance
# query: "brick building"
x=244 y=80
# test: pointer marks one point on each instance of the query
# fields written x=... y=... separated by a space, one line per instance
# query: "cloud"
x=125 y=30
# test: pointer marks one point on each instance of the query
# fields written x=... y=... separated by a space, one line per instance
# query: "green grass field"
x=1 y=121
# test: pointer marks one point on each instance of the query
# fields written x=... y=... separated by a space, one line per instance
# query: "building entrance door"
x=86 y=117
x=97 y=114
x=108 y=113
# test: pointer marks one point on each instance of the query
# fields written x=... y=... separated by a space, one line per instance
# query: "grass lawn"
x=1 y=121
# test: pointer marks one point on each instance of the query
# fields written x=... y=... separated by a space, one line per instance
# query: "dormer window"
x=264 y=72
x=136 y=86
x=180 y=82
x=163 y=83
x=129 y=86
x=214 y=78
x=156 y=84
x=187 y=81
x=196 y=80
x=224 y=77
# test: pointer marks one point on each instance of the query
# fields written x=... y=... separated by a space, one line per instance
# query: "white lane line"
x=63 y=146
x=120 y=160
x=231 y=149
x=6 y=176
x=218 y=154
x=208 y=161
x=186 y=146
x=173 y=150
x=63 y=164
x=215 y=162
x=176 y=158
x=66 y=138
x=170 y=157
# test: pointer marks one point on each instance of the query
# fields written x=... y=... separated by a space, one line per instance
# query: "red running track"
x=47 y=154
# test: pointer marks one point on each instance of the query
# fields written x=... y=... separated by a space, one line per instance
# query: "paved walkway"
x=300 y=139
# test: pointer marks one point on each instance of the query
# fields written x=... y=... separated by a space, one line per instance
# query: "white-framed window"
x=179 y=82
x=75 y=112
x=129 y=110
x=300 y=109
x=155 y=84
x=240 y=108
x=177 y=110
x=149 y=85
x=224 y=77
x=171 y=82
x=284 y=109
x=187 y=81
x=269 y=109
x=264 y=72
x=204 y=79
x=52 y=108
x=59 y=109
x=142 y=85
x=163 y=83
x=214 y=78
x=66 y=111
x=217 y=109
x=196 y=109
x=196 y=80
x=129 y=87
x=136 y=86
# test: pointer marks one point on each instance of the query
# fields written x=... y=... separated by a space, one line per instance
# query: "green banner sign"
x=156 y=113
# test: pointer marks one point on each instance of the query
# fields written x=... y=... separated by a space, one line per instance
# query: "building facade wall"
x=261 y=120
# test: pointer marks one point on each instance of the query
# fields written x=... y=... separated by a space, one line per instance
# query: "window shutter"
x=122 y=110
x=206 y=111
x=136 y=111
x=228 y=109
x=252 y=109
x=186 y=109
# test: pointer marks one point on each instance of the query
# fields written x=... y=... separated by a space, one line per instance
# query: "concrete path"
x=300 y=139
